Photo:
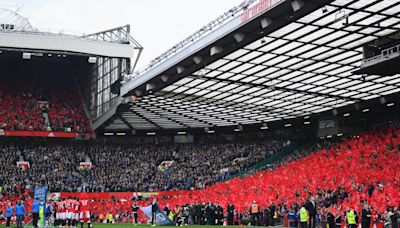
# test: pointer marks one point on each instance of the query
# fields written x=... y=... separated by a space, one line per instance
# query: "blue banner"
x=161 y=218
x=40 y=193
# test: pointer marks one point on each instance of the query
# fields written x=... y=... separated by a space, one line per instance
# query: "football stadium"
x=276 y=113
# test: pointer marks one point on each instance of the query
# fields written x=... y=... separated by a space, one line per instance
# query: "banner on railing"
x=46 y=134
x=43 y=105
x=85 y=165
x=23 y=165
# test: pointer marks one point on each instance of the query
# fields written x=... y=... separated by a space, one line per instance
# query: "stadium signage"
x=257 y=9
x=46 y=134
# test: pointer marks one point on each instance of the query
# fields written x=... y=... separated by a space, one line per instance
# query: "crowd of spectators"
x=47 y=103
x=329 y=179
x=199 y=167
x=349 y=174
x=121 y=168
x=299 y=153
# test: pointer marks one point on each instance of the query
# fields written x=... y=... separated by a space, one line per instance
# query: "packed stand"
x=47 y=103
x=122 y=168
x=333 y=182
x=348 y=175
x=197 y=167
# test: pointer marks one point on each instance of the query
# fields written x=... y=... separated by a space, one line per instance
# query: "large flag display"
x=161 y=218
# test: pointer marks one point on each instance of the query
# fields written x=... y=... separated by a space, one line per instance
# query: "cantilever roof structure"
x=300 y=69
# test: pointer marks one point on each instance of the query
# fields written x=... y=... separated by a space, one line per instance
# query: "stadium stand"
x=119 y=168
x=49 y=103
x=261 y=108
x=338 y=177
x=346 y=174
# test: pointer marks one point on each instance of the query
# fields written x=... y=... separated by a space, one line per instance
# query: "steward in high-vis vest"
x=171 y=216
x=303 y=215
x=111 y=218
x=276 y=215
x=351 y=218
x=255 y=214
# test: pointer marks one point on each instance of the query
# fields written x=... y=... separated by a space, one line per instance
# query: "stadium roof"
x=302 y=68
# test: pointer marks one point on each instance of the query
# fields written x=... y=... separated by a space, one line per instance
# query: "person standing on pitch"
x=266 y=216
x=20 y=212
x=272 y=211
x=84 y=214
x=209 y=214
x=153 y=212
x=135 y=209
x=291 y=215
x=394 y=217
x=312 y=211
x=255 y=214
x=351 y=218
x=9 y=213
x=231 y=210
x=331 y=219
x=167 y=210
x=366 y=216
x=303 y=217
x=35 y=212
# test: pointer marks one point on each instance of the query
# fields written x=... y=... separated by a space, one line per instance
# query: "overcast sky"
x=156 y=24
